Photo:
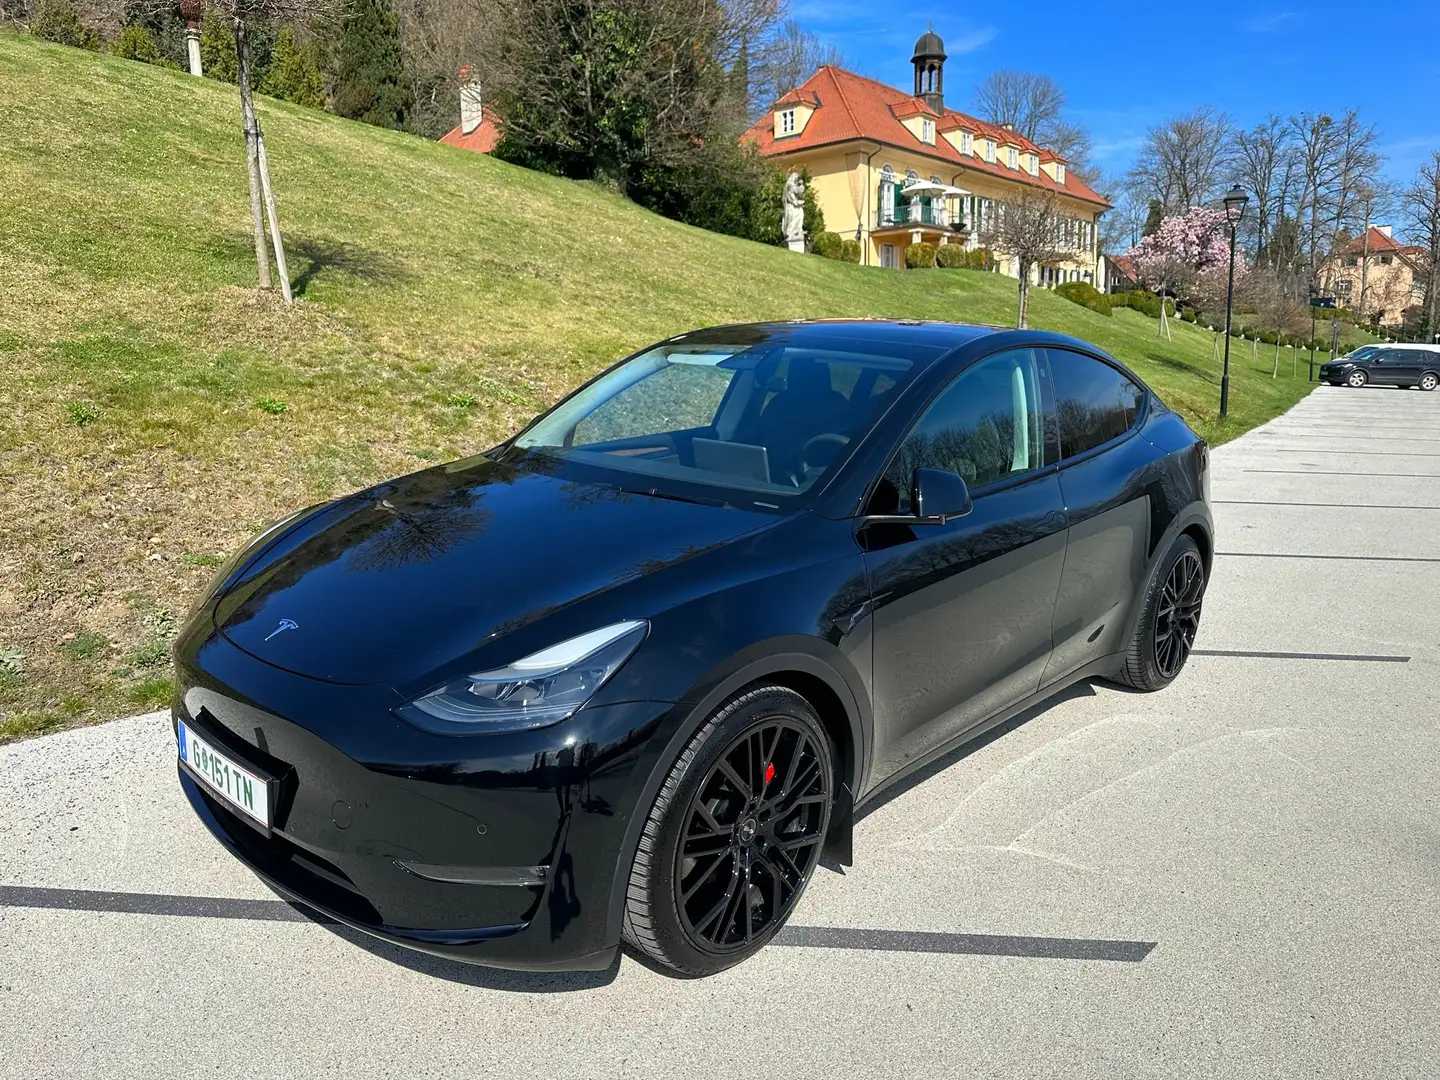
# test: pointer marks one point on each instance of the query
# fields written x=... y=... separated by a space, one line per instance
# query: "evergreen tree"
x=58 y=21
x=370 y=80
x=217 y=48
x=135 y=43
x=294 y=73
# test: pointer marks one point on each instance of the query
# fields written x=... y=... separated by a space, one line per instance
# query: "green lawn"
x=155 y=409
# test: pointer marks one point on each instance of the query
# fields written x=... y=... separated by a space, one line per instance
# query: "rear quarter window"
x=1094 y=402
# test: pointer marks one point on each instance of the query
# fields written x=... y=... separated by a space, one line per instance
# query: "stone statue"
x=792 y=223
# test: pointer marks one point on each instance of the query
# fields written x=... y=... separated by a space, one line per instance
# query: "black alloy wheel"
x=752 y=836
x=734 y=836
x=1169 y=619
x=1179 y=615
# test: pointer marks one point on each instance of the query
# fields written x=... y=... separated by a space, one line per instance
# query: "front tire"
x=1170 y=619
x=734 y=835
x=1429 y=381
x=1357 y=379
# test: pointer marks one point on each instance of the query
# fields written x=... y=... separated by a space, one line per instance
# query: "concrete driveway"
x=1239 y=876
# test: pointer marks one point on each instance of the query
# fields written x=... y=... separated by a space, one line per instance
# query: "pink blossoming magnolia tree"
x=1188 y=255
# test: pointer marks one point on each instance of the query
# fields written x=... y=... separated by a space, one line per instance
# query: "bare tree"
x=783 y=59
x=1182 y=160
x=1027 y=102
x=1421 y=206
x=1026 y=227
x=1259 y=160
x=1034 y=106
x=439 y=38
x=244 y=16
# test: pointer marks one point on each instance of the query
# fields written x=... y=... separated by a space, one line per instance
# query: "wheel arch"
x=811 y=667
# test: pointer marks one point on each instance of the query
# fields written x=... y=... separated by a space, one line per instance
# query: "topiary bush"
x=828 y=245
x=1086 y=295
x=850 y=251
x=1188 y=314
x=920 y=256
x=952 y=257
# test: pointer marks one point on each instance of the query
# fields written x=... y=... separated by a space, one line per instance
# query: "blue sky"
x=1125 y=67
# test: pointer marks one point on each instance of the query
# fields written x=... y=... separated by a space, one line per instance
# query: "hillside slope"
x=445 y=298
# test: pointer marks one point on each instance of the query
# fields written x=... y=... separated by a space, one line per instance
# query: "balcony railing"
x=915 y=212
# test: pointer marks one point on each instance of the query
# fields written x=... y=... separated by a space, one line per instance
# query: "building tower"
x=929 y=61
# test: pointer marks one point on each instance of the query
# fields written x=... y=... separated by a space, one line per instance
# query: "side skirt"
x=1106 y=667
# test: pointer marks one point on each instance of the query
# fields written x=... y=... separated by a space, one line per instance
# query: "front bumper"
x=360 y=793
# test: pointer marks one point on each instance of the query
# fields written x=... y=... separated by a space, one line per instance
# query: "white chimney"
x=471 y=103
x=1383 y=230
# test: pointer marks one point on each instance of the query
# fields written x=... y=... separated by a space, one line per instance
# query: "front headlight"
x=535 y=691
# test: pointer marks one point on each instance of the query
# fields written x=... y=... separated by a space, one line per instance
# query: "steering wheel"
x=821 y=450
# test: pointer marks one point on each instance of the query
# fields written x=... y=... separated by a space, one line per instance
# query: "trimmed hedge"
x=1086 y=295
x=951 y=257
x=920 y=256
x=828 y=245
x=850 y=251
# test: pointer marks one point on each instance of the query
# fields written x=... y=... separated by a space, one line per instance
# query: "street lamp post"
x=1234 y=202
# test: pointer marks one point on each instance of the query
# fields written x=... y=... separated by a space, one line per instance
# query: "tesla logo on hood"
x=285 y=624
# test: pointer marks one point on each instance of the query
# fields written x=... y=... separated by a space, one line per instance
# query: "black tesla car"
x=631 y=673
x=1382 y=366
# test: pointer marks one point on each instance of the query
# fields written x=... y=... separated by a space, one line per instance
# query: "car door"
x=1405 y=366
x=1104 y=470
x=1385 y=367
x=962 y=612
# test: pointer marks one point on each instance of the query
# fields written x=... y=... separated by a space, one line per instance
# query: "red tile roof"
x=801 y=96
x=482 y=140
x=1379 y=244
x=854 y=107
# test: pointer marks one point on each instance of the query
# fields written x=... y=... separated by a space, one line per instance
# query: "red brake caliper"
x=769 y=772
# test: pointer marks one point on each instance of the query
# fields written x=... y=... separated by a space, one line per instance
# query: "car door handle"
x=1056 y=518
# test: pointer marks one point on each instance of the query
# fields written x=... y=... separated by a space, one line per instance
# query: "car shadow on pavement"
x=524 y=982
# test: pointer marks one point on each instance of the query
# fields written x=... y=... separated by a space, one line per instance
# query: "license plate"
x=238 y=786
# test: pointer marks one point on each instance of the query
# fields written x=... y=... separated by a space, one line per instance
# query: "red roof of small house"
x=800 y=96
x=852 y=107
x=1125 y=264
x=482 y=140
x=1379 y=244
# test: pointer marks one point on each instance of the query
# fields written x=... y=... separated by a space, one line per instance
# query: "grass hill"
x=154 y=408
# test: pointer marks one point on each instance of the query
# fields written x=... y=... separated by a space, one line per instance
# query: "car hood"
x=390 y=584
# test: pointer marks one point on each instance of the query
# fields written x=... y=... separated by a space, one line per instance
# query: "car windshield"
x=759 y=421
x=1365 y=352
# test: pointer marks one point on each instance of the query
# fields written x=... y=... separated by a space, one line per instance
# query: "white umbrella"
x=923 y=187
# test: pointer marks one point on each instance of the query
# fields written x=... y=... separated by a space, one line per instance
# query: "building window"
x=1352 y=261
x=1032 y=164
x=887 y=256
x=966 y=143
x=927 y=131
x=787 y=123
x=1014 y=158
x=1059 y=173
x=1385 y=260
x=990 y=151
x=887 y=196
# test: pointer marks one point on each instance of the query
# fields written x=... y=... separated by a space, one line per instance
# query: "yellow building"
x=1377 y=277
x=891 y=168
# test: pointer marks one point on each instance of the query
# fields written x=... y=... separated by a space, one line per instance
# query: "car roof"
x=919 y=340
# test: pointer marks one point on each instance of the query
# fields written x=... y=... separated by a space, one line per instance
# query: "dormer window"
x=1032 y=164
x=1014 y=158
x=927 y=131
x=990 y=151
x=1059 y=173
x=966 y=143
x=785 y=123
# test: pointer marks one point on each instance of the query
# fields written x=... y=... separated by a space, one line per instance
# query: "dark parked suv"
x=1395 y=365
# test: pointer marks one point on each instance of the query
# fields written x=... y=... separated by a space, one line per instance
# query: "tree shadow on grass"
x=314 y=256
x=1155 y=356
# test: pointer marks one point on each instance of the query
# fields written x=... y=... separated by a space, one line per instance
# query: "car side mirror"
x=937 y=495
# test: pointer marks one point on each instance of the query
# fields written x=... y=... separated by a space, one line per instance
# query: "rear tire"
x=1429 y=380
x=1169 y=620
x=1357 y=379
x=734 y=835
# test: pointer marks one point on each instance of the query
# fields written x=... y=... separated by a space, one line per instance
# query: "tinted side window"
x=1093 y=400
x=985 y=426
